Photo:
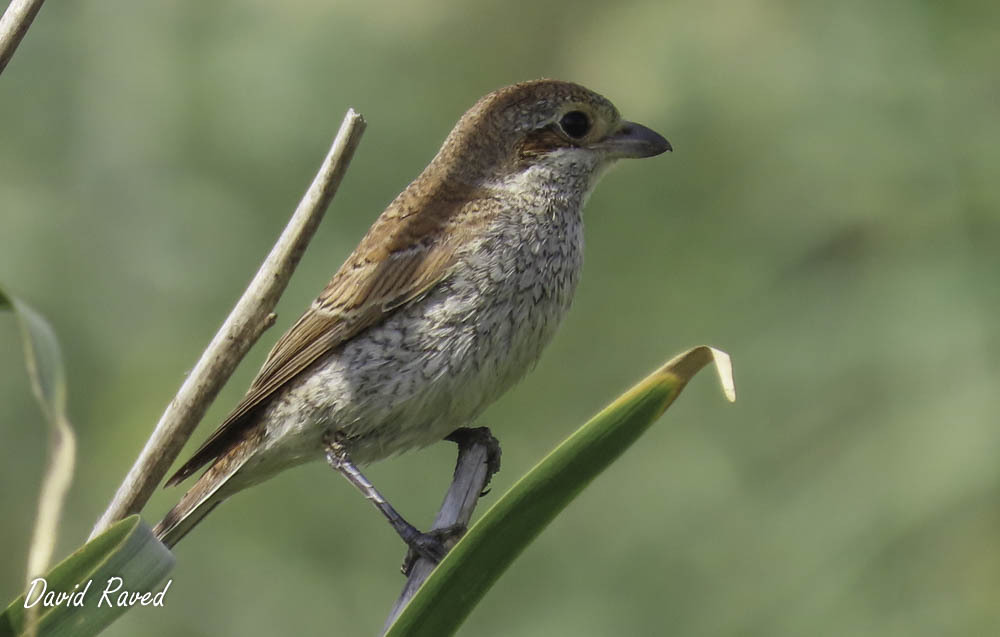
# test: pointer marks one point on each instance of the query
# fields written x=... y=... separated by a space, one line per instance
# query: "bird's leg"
x=429 y=545
x=467 y=440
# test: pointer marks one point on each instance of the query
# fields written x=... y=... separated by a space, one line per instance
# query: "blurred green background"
x=829 y=217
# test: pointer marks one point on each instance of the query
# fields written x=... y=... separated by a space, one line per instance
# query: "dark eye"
x=576 y=124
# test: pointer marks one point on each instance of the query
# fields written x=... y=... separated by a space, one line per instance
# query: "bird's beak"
x=635 y=141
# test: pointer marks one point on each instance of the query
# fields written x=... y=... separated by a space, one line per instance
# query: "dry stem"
x=13 y=25
x=251 y=316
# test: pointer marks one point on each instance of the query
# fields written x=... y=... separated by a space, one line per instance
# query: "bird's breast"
x=437 y=362
x=518 y=280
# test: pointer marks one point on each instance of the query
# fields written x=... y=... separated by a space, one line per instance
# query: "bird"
x=446 y=302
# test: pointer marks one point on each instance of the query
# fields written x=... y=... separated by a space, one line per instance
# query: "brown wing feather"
x=401 y=258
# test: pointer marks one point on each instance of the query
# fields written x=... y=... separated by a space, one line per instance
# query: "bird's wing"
x=401 y=258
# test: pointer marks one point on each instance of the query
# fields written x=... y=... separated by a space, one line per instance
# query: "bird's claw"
x=433 y=545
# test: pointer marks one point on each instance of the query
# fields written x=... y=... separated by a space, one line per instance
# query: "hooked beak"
x=634 y=141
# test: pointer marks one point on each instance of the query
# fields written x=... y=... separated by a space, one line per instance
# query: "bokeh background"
x=830 y=216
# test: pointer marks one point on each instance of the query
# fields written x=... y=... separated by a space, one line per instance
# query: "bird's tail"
x=205 y=495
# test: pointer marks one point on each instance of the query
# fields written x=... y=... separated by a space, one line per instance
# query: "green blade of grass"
x=43 y=360
x=127 y=550
x=495 y=541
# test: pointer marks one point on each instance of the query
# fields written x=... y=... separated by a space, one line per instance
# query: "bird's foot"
x=433 y=545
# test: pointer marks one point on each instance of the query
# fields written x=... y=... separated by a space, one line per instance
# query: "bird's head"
x=542 y=132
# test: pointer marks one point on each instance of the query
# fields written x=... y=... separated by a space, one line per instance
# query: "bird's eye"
x=576 y=124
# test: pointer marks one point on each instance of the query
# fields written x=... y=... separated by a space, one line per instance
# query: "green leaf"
x=495 y=541
x=42 y=355
x=127 y=550
x=43 y=361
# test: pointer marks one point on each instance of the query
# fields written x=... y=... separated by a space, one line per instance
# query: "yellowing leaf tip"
x=724 y=367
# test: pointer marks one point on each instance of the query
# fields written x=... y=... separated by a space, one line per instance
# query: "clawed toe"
x=433 y=545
